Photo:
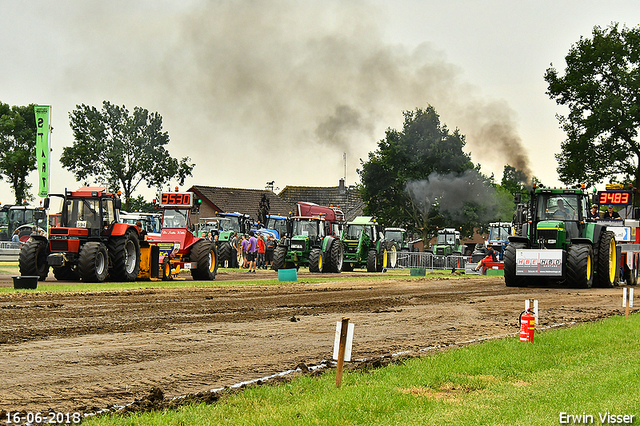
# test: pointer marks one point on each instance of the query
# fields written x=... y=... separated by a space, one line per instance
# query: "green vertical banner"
x=42 y=147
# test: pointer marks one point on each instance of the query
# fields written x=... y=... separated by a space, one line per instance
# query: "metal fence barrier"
x=429 y=260
x=9 y=251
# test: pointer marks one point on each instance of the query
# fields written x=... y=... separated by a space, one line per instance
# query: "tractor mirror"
x=517 y=197
x=46 y=202
x=118 y=203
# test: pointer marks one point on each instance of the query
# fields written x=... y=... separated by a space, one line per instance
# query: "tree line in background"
x=418 y=177
x=111 y=147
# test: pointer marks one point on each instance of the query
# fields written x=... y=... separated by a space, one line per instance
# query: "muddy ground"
x=88 y=351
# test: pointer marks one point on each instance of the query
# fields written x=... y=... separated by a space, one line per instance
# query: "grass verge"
x=588 y=369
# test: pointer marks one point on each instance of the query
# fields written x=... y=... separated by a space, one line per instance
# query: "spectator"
x=490 y=257
x=610 y=214
x=270 y=248
x=261 y=250
x=16 y=236
x=252 y=249
x=245 y=246
x=141 y=231
x=594 y=213
x=234 y=251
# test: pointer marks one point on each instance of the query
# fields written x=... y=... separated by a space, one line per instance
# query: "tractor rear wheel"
x=278 y=257
x=336 y=256
x=510 y=277
x=205 y=255
x=606 y=260
x=315 y=261
x=124 y=257
x=93 y=262
x=372 y=259
x=33 y=258
x=580 y=266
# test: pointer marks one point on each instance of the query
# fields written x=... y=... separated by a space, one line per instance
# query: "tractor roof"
x=362 y=220
x=91 y=191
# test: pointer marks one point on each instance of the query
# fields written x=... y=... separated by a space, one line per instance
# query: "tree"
x=17 y=148
x=422 y=179
x=121 y=150
x=600 y=89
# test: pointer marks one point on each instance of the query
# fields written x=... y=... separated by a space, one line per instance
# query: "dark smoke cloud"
x=451 y=192
x=272 y=82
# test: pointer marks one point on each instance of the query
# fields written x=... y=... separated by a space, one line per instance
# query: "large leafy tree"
x=121 y=149
x=17 y=148
x=601 y=90
x=422 y=179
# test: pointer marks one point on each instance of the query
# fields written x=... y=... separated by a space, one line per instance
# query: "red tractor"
x=89 y=243
x=178 y=248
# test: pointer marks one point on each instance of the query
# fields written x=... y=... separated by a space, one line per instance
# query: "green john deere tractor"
x=309 y=245
x=558 y=243
x=365 y=246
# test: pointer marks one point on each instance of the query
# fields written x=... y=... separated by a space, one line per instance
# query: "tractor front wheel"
x=315 y=261
x=93 y=262
x=580 y=266
x=278 y=257
x=225 y=254
x=510 y=277
x=372 y=258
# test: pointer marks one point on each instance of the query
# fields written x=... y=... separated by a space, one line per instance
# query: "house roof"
x=241 y=200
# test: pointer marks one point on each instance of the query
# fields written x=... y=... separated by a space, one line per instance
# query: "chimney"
x=341 y=188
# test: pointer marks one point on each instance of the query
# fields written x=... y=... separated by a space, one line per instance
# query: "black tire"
x=205 y=254
x=315 y=261
x=606 y=260
x=65 y=273
x=33 y=258
x=336 y=257
x=372 y=260
x=224 y=254
x=278 y=258
x=124 y=257
x=381 y=259
x=93 y=262
x=579 y=271
x=510 y=277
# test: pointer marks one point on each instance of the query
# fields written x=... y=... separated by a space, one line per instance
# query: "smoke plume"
x=452 y=192
x=261 y=84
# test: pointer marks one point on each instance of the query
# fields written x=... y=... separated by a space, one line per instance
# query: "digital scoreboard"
x=614 y=197
x=177 y=199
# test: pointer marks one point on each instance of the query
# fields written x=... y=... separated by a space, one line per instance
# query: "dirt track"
x=87 y=351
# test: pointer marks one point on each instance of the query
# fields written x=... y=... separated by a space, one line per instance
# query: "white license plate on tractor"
x=531 y=262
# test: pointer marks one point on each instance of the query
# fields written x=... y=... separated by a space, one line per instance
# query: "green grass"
x=591 y=368
x=52 y=286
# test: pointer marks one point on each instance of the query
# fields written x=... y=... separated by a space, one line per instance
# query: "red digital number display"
x=176 y=199
x=614 y=197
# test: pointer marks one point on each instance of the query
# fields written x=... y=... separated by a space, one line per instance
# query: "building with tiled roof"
x=347 y=198
x=231 y=200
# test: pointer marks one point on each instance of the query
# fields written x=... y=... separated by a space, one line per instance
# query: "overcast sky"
x=255 y=91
